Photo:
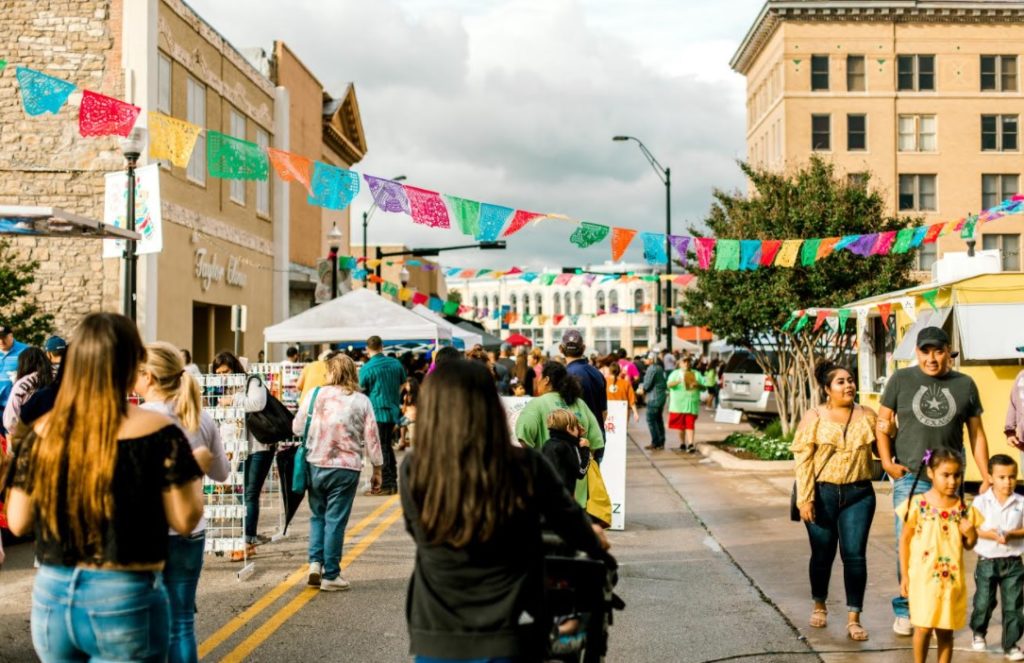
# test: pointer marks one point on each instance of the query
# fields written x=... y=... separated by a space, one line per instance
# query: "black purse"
x=794 y=510
x=273 y=423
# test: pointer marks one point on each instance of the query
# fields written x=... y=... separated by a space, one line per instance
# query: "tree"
x=17 y=308
x=751 y=308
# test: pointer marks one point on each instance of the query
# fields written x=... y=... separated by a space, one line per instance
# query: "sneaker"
x=338 y=584
x=1012 y=654
x=978 y=642
x=902 y=626
x=316 y=570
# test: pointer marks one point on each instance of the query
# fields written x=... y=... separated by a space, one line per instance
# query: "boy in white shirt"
x=999 y=548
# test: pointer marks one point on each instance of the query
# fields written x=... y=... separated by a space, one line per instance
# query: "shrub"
x=762 y=445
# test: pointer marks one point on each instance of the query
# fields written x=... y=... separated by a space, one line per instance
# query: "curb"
x=730 y=462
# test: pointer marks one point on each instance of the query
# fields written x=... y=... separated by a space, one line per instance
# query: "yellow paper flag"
x=404 y=295
x=173 y=139
x=541 y=319
x=373 y=263
x=788 y=253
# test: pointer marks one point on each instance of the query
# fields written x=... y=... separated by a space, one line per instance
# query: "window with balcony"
x=819 y=73
x=997 y=188
x=917 y=133
x=821 y=132
x=999 y=133
x=915 y=73
x=856 y=73
x=998 y=73
x=918 y=193
x=1008 y=247
x=856 y=132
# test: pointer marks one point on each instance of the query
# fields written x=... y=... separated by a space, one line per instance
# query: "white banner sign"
x=513 y=406
x=148 y=221
x=613 y=465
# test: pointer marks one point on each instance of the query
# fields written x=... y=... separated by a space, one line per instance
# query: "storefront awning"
x=928 y=318
x=986 y=330
x=55 y=222
x=694 y=334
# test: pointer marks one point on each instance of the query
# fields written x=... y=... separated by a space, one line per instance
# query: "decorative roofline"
x=775 y=12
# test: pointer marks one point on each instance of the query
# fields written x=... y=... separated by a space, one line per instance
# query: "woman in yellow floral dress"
x=938 y=528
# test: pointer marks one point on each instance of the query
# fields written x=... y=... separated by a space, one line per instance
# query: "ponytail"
x=188 y=403
x=917 y=478
x=566 y=385
x=174 y=383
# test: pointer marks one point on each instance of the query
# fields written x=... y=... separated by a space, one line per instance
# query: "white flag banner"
x=148 y=221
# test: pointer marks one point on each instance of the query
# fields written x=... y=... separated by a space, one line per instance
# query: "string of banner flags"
x=331 y=187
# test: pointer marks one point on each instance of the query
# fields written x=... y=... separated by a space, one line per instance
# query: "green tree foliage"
x=750 y=308
x=17 y=308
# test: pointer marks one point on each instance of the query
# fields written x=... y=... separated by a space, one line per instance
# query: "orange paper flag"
x=621 y=238
x=824 y=249
x=291 y=167
x=883 y=311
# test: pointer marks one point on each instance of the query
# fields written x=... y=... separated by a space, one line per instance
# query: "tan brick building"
x=925 y=96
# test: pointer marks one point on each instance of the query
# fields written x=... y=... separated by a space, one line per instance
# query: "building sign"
x=148 y=221
x=209 y=271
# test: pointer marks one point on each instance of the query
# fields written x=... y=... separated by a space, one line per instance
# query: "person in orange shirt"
x=620 y=388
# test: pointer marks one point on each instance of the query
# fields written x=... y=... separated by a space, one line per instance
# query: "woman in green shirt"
x=684 y=386
x=555 y=389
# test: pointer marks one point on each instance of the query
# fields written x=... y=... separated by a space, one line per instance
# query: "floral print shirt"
x=342 y=428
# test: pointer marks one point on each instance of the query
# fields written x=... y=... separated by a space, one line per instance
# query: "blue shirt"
x=381 y=380
x=8 y=365
x=595 y=393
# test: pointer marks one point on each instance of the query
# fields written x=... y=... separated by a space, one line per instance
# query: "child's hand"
x=905 y=586
x=967 y=529
x=584 y=443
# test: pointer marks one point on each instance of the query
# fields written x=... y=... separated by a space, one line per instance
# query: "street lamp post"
x=665 y=175
x=334 y=237
x=131 y=146
x=368 y=213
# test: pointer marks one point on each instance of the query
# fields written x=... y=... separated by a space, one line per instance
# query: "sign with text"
x=613 y=465
x=148 y=221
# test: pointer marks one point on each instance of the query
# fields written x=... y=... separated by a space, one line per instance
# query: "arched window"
x=613 y=301
x=600 y=301
x=638 y=300
x=538 y=304
x=579 y=302
x=526 y=304
x=513 y=303
x=568 y=303
x=558 y=305
x=476 y=302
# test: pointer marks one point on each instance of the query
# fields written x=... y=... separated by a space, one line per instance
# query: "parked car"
x=746 y=387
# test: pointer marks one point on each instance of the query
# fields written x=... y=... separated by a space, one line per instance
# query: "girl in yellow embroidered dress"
x=938 y=528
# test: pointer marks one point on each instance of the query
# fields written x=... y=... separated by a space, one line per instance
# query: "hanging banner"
x=864 y=245
x=292 y=167
x=519 y=221
x=231 y=158
x=100 y=115
x=466 y=214
x=929 y=296
x=884 y=243
x=819 y=319
x=492 y=220
x=826 y=247
x=621 y=239
x=750 y=254
x=332 y=188
x=788 y=253
x=705 y=247
x=843 y=315
x=727 y=254
x=932 y=234
x=41 y=93
x=904 y=240
x=884 y=310
x=769 y=249
x=587 y=234
x=148 y=221
x=171 y=138
x=680 y=243
x=809 y=252
x=387 y=194
x=654 y=248
x=845 y=242
x=563 y=279
x=427 y=208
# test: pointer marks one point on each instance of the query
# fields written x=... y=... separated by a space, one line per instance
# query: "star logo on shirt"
x=934 y=403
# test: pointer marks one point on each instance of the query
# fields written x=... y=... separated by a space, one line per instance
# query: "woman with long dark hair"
x=477 y=587
x=34 y=372
x=100 y=481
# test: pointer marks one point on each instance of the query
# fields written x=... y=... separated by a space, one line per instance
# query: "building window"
x=915 y=73
x=557 y=305
x=917 y=193
x=613 y=301
x=638 y=300
x=927 y=255
x=579 y=302
x=821 y=132
x=263 y=186
x=195 y=100
x=538 y=304
x=997 y=188
x=163 y=84
x=819 y=72
x=857 y=180
x=600 y=302
x=526 y=305
x=1008 y=247
x=998 y=73
x=567 y=298
x=917 y=133
x=856 y=80
x=999 y=133
x=513 y=303
x=856 y=132
x=237 y=121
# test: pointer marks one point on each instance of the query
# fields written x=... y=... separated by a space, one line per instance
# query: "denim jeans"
x=331 y=492
x=656 y=424
x=900 y=494
x=1006 y=573
x=257 y=467
x=101 y=616
x=389 y=472
x=181 y=576
x=842 y=519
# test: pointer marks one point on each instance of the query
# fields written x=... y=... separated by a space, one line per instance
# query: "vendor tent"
x=355 y=316
x=461 y=339
x=490 y=341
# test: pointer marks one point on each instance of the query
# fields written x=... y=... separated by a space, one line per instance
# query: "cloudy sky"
x=514 y=102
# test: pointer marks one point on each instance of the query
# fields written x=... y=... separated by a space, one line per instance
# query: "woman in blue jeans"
x=171 y=390
x=101 y=542
x=832 y=449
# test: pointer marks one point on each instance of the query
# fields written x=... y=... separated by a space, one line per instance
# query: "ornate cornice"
x=214 y=227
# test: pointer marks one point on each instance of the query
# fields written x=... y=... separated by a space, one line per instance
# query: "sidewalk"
x=747 y=514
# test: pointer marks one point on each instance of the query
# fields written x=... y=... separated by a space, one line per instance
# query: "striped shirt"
x=381 y=380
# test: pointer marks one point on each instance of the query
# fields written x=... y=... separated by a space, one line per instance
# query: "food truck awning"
x=986 y=330
x=55 y=222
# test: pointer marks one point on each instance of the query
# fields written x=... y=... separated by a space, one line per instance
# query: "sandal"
x=819 y=618
x=856 y=631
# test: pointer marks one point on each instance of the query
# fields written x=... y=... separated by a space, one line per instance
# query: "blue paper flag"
x=360 y=274
x=333 y=188
x=845 y=242
x=436 y=304
x=492 y=220
x=452 y=271
x=750 y=254
x=41 y=93
x=529 y=277
x=654 y=248
x=919 y=234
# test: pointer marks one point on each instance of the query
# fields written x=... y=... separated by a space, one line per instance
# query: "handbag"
x=599 y=504
x=300 y=470
x=273 y=423
x=794 y=510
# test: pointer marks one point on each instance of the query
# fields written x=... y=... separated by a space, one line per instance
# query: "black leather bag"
x=273 y=423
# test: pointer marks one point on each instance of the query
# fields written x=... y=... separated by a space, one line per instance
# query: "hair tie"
x=927 y=457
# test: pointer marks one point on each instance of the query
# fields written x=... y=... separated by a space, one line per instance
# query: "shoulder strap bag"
x=794 y=510
x=300 y=470
x=273 y=423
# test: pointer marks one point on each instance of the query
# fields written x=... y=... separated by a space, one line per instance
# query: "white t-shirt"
x=1007 y=516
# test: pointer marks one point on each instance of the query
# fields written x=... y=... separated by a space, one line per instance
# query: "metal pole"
x=668 y=252
x=131 y=260
x=334 y=272
x=376 y=270
x=366 y=221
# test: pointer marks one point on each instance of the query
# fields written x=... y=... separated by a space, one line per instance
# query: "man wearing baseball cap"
x=595 y=393
x=926 y=407
x=55 y=348
x=9 y=351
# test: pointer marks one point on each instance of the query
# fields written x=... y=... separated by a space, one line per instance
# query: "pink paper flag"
x=705 y=247
x=563 y=279
x=419 y=298
x=100 y=115
x=884 y=243
x=519 y=221
x=427 y=207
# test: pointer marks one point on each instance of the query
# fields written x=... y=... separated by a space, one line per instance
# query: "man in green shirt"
x=684 y=404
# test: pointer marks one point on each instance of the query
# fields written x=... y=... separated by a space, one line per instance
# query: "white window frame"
x=862 y=76
x=263 y=186
x=927 y=256
x=195 y=97
x=999 y=84
x=917 y=206
x=1001 y=192
x=997 y=241
x=919 y=134
x=236 y=124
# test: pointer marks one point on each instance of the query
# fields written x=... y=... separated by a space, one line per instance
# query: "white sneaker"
x=1014 y=654
x=338 y=584
x=902 y=626
x=316 y=570
x=978 y=642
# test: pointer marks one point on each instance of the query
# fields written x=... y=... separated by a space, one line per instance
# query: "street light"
x=368 y=213
x=424 y=253
x=131 y=146
x=665 y=175
x=334 y=237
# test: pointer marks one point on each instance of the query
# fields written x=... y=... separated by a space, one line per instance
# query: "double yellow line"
x=260 y=635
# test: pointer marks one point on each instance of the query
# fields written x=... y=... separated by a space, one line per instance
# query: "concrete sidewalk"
x=747 y=514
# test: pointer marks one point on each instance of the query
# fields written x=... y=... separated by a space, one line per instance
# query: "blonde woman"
x=100 y=481
x=170 y=389
x=341 y=429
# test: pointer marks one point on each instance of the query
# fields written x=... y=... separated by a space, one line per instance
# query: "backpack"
x=273 y=423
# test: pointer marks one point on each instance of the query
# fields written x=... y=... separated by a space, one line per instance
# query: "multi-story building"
x=924 y=97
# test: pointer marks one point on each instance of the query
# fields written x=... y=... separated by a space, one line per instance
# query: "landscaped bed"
x=769 y=444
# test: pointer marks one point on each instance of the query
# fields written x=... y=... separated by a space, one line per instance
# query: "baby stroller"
x=579 y=588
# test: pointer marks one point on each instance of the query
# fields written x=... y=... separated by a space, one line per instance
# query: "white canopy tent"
x=354 y=317
x=461 y=338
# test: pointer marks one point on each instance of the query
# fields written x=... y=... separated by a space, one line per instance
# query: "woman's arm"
x=255 y=398
x=804 y=448
x=219 y=466
x=20 y=515
x=183 y=506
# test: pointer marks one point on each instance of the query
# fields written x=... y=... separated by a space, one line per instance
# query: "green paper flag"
x=389 y=289
x=527 y=318
x=809 y=252
x=548 y=279
x=930 y=296
x=466 y=214
x=588 y=234
x=844 y=315
x=803 y=322
x=967 y=232
x=659 y=308
x=231 y=158
x=904 y=239
x=451 y=307
x=727 y=254
x=792 y=318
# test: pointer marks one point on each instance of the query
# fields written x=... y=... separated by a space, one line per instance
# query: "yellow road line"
x=243 y=618
x=259 y=636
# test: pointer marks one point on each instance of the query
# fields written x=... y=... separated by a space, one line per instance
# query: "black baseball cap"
x=932 y=336
x=572 y=340
x=5 y=330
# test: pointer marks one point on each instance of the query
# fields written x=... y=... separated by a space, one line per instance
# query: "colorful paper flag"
x=769 y=249
x=492 y=220
x=792 y=318
x=801 y=323
x=827 y=246
x=809 y=251
x=587 y=234
x=843 y=315
x=466 y=214
x=387 y=194
x=390 y=289
x=41 y=93
x=621 y=239
x=680 y=243
x=967 y=232
x=845 y=242
x=904 y=239
x=563 y=279
x=232 y=158
x=100 y=115
x=705 y=248
x=929 y=296
x=557 y=319
x=529 y=277
x=933 y=232
x=727 y=254
x=884 y=311
x=864 y=245
x=589 y=279
x=436 y=304
x=451 y=307
x=819 y=318
x=919 y=234
x=171 y=138
x=750 y=254
x=427 y=208
x=884 y=243
x=654 y=248
x=519 y=221
x=333 y=188
x=292 y=167
x=788 y=253
x=404 y=294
